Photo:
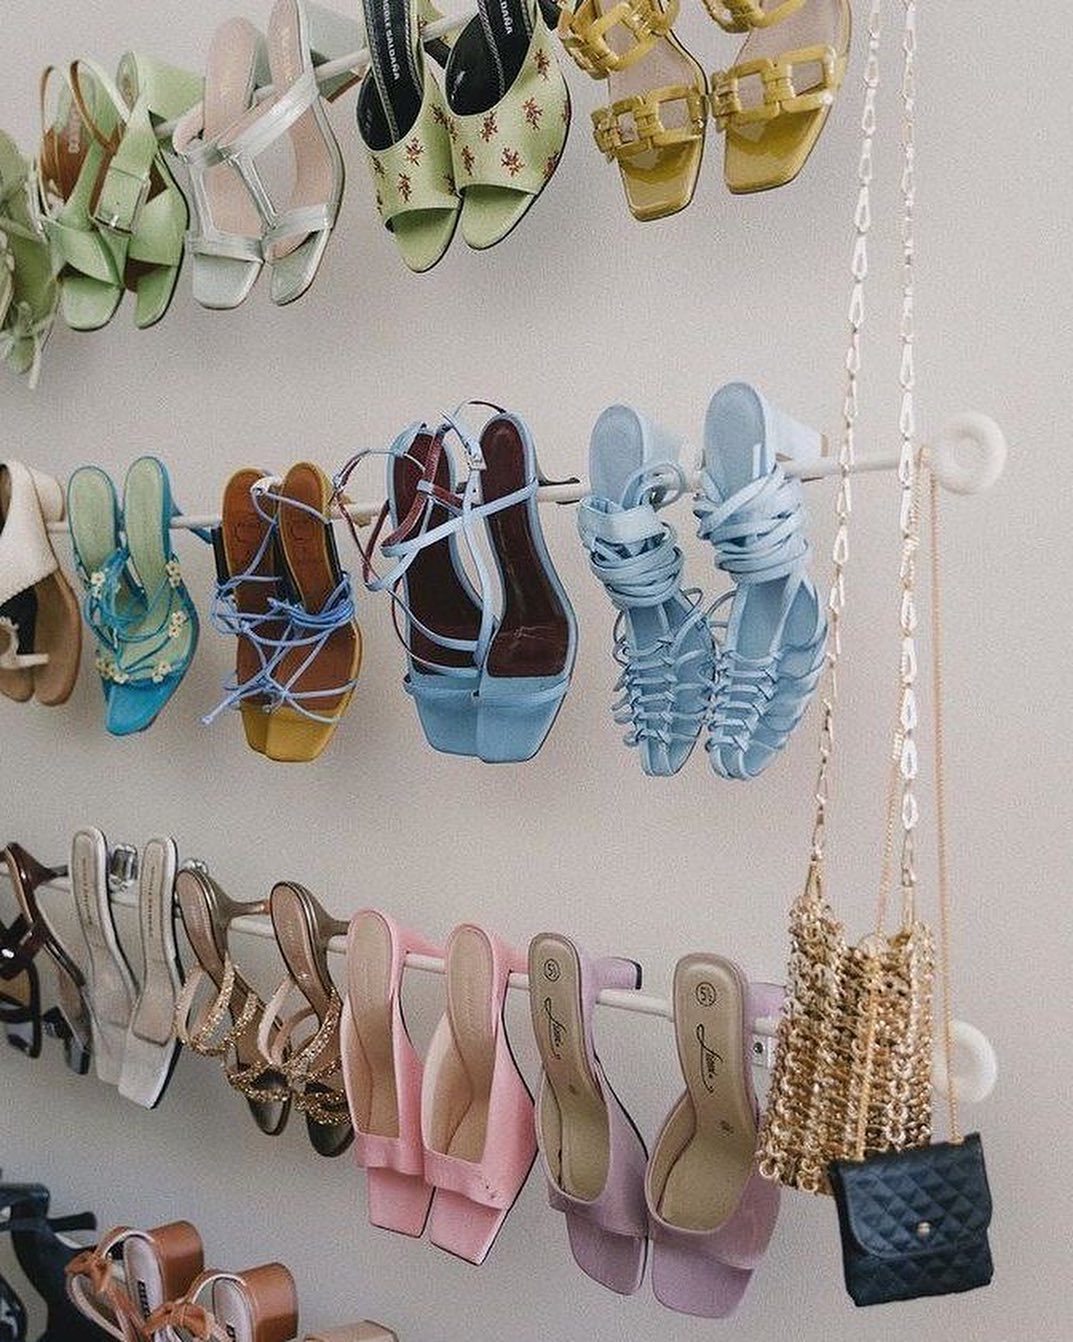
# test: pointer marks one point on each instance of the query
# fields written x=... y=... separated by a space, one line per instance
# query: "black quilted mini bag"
x=914 y=1223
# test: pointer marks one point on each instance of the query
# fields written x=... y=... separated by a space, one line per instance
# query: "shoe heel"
x=794 y=441
x=331 y=36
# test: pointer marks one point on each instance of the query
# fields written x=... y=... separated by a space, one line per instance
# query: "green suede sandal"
x=405 y=127
x=123 y=222
x=70 y=164
x=28 y=293
x=510 y=116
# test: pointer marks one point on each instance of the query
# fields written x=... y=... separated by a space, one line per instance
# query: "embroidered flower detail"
x=543 y=63
x=512 y=161
x=378 y=167
x=449 y=183
x=405 y=186
x=533 y=112
x=468 y=159
x=176 y=622
x=550 y=166
x=120 y=677
x=96 y=582
x=174 y=572
x=161 y=670
x=414 y=150
x=489 y=126
x=104 y=666
x=380 y=202
x=447 y=122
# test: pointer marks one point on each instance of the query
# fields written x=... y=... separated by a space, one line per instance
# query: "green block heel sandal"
x=28 y=293
x=113 y=215
x=510 y=116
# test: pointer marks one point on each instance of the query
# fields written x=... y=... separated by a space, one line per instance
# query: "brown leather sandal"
x=27 y=875
x=314 y=1066
x=259 y=1304
x=207 y=912
x=131 y=1273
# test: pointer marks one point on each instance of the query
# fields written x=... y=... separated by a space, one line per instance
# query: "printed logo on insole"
x=151 y=874
x=84 y=885
x=143 y=1298
x=556 y=1030
x=711 y=1062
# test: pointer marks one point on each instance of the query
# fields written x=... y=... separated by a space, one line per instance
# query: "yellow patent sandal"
x=774 y=102
x=654 y=125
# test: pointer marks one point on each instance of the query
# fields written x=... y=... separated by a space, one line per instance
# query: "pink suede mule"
x=476 y=1111
x=382 y=1071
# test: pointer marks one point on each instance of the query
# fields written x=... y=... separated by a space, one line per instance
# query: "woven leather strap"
x=633 y=126
x=738 y=16
x=584 y=33
x=780 y=94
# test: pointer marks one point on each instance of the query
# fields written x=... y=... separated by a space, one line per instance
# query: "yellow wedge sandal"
x=774 y=101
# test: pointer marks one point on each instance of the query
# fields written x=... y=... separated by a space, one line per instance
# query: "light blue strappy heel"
x=662 y=639
x=530 y=659
x=447 y=625
x=776 y=630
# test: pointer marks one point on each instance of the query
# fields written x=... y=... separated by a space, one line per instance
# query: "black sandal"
x=43 y=1256
x=70 y=1022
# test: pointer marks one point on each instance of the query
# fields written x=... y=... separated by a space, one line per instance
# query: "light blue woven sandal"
x=776 y=631
x=526 y=674
x=662 y=639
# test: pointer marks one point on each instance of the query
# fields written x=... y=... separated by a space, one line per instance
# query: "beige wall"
x=579 y=307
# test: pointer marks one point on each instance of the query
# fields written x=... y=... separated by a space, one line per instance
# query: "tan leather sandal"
x=259 y=1304
x=121 y=1282
x=313 y=1065
x=207 y=913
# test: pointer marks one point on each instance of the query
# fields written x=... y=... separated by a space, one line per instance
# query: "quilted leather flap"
x=920 y=1201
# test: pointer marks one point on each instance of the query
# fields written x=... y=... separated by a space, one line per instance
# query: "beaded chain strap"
x=853 y=1067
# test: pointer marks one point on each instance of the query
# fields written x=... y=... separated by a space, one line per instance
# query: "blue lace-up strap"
x=637 y=558
x=758 y=531
x=312 y=630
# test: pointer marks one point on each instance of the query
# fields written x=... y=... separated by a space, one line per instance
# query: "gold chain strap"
x=939 y=735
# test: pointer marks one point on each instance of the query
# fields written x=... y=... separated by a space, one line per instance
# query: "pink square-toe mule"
x=476 y=1111
x=711 y=1215
x=594 y=1158
x=382 y=1071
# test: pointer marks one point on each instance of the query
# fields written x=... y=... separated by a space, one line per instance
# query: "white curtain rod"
x=946 y=458
x=975 y=1082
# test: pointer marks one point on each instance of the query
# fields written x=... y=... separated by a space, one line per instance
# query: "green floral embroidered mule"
x=509 y=116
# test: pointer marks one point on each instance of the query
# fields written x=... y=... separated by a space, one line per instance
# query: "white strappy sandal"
x=239 y=225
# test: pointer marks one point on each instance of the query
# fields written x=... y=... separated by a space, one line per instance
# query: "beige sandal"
x=313 y=1067
x=207 y=912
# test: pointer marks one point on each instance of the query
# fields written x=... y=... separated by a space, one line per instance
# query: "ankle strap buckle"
x=123 y=865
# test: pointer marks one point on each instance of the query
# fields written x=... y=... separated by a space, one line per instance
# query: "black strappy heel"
x=43 y=1256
